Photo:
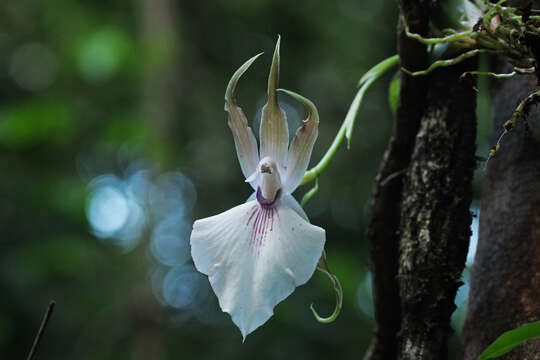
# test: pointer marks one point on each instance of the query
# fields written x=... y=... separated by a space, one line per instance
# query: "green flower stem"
x=379 y=69
x=355 y=106
x=310 y=193
x=315 y=171
x=345 y=131
x=346 y=127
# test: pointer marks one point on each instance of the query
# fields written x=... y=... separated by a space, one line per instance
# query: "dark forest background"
x=113 y=139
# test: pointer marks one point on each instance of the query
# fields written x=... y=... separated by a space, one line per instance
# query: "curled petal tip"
x=302 y=144
x=323 y=267
x=229 y=93
x=244 y=140
x=313 y=113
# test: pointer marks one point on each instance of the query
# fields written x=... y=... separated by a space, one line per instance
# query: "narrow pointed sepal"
x=302 y=145
x=244 y=140
x=255 y=257
x=273 y=76
x=274 y=133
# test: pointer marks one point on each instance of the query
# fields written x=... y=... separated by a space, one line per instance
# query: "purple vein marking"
x=255 y=210
x=272 y=225
x=263 y=222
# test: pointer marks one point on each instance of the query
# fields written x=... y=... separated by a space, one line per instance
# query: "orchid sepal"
x=274 y=132
x=244 y=140
x=302 y=144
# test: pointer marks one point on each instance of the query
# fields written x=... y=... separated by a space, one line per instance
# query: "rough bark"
x=383 y=228
x=505 y=277
x=435 y=216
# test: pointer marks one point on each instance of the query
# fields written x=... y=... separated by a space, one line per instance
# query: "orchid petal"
x=301 y=146
x=289 y=201
x=244 y=140
x=255 y=257
x=274 y=133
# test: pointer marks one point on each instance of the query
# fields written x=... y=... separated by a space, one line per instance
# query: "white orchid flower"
x=257 y=253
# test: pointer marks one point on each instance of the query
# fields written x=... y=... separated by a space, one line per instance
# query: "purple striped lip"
x=264 y=202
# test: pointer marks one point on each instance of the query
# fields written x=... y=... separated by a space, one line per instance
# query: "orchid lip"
x=265 y=203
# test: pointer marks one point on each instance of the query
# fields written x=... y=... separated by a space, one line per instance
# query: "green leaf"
x=393 y=93
x=348 y=123
x=511 y=339
x=365 y=82
x=379 y=69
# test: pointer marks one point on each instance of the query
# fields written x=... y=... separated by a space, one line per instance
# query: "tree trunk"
x=419 y=228
x=383 y=228
x=505 y=277
x=435 y=216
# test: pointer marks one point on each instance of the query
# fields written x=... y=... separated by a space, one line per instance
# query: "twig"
x=522 y=110
x=41 y=330
x=392 y=176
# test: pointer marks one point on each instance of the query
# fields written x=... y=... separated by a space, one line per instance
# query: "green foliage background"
x=89 y=88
